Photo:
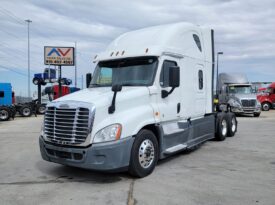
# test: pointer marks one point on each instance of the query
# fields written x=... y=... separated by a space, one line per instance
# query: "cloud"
x=244 y=30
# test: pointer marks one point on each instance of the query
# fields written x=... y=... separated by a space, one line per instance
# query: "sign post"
x=60 y=56
x=59 y=81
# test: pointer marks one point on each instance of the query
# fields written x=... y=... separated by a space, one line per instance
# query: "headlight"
x=109 y=133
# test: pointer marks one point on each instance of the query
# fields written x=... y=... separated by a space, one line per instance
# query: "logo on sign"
x=58 y=51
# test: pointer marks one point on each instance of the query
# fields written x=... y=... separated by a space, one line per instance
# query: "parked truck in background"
x=48 y=76
x=235 y=90
x=9 y=107
x=151 y=96
x=53 y=92
x=267 y=97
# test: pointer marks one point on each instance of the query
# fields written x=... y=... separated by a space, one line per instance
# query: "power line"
x=10 y=69
x=19 y=55
x=12 y=16
x=7 y=62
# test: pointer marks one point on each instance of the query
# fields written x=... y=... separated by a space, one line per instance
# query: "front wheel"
x=265 y=106
x=36 y=81
x=4 y=114
x=256 y=114
x=144 y=154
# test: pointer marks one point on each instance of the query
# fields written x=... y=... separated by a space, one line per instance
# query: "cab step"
x=175 y=148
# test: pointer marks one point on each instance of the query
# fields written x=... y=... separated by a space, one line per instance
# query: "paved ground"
x=240 y=170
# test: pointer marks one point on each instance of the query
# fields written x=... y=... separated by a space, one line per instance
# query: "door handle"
x=178 y=107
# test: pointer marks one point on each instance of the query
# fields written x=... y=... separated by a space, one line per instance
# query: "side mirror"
x=174 y=80
x=174 y=76
x=116 y=88
x=88 y=79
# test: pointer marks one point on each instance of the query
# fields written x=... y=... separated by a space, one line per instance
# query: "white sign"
x=59 y=56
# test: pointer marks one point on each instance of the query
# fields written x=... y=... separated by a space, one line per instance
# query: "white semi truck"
x=151 y=95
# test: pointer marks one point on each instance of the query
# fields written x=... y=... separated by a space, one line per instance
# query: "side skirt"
x=180 y=135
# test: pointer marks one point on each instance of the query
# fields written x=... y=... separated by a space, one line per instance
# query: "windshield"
x=237 y=89
x=127 y=72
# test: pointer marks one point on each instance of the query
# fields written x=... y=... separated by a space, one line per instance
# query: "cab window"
x=197 y=40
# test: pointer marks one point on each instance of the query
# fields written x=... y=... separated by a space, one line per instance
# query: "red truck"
x=267 y=98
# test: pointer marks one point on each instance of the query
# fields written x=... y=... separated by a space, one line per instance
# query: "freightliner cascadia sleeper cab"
x=151 y=96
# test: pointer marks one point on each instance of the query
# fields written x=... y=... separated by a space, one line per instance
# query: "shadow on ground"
x=73 y=174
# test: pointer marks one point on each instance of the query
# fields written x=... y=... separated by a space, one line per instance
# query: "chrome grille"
x=67 y=125
x=248 y=103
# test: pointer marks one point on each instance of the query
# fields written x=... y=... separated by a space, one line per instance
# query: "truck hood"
x=102 y=96
x=244 y=96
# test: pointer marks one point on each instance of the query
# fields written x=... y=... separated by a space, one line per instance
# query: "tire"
x=232 y=124
x=63 y=81
x=36 y=81
x=25 y=111
x=266 y=106
x=43 y=83
x=145 y=147
x=41 y=109
x=4 y=114
x=222 y=126
x=256 y=114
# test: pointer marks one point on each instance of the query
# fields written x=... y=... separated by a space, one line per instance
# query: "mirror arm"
x=165 y=93
x=112 y=107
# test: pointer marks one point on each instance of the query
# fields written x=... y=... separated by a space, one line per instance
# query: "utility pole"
x=75 y=65
x=29 y=73
x=82 y=81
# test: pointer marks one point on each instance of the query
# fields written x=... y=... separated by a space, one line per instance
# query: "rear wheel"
x=265 y=106
x=144 y=154
x=222 y=127
x=25 y=111
x=232 y=124
x=4 y=114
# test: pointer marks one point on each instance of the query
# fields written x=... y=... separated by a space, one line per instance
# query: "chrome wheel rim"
x=224 y=127
x=42 y=110
x=146 y=153
x=265 y=106
x=4 y=114
x=26 y=111
x=234 y=123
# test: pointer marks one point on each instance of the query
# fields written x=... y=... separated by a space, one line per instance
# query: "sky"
x=244 y=32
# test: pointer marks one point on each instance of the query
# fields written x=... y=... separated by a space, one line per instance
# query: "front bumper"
x=103 y=156
x=246 y=110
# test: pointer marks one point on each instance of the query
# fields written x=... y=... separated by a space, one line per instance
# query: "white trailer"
x=151 y=96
